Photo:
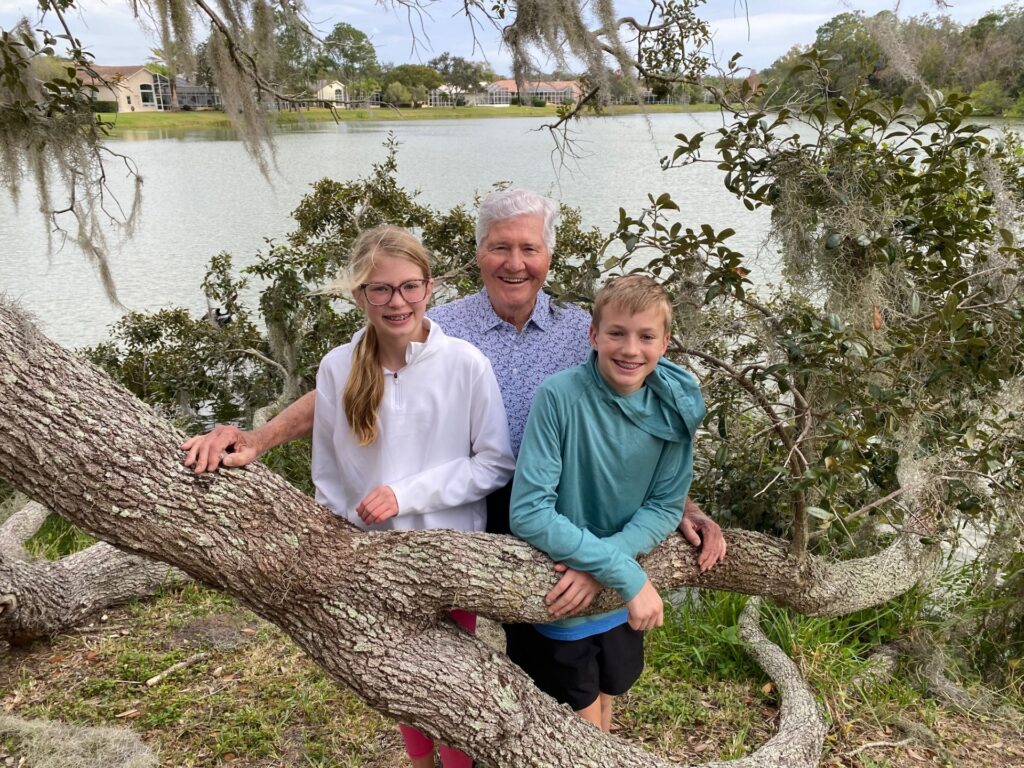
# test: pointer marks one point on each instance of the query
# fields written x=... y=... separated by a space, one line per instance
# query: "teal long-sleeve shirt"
x=601 y=478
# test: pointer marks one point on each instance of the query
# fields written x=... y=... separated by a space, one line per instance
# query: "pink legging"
x=416 y=744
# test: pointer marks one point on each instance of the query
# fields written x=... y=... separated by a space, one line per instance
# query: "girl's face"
x=397 y=318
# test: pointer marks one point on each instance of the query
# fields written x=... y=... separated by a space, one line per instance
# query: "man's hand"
x=223 y=444
x=379 y=505
x=705 y=534
x=573 y=592
x=646 y=611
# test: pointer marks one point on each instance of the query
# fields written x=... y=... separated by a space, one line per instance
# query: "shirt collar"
x=540 y=317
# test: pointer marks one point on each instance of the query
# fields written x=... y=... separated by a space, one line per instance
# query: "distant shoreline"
x=142 y=121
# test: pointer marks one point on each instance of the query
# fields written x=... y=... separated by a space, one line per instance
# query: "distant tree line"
x=301 y=63
x=983 y=60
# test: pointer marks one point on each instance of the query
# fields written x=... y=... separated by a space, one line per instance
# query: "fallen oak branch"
x=366 y=607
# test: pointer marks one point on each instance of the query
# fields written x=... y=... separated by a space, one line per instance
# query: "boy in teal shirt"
x=605 y=466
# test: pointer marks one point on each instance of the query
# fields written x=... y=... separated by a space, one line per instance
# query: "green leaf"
x=819 y=513
x=722 y=455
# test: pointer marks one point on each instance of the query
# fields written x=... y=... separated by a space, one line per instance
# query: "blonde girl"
x=409 y=431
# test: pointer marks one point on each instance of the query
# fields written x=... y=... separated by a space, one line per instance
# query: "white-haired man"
x=526 y=336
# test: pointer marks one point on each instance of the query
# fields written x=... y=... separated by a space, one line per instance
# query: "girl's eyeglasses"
x=379 y=294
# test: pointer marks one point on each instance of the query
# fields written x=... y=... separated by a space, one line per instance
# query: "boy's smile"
x=628 y=345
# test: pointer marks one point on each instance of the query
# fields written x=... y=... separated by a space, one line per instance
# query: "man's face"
x=514 y=264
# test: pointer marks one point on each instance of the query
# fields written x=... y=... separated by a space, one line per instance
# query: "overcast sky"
x=761 y=33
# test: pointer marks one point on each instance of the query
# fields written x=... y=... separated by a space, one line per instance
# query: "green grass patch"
x=702 y=695
x=141 y=121
x=57 y=538
x=256 y=699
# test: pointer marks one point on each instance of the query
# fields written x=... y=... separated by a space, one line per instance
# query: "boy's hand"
x=379 y=505
x=646 y=611
x=573 y=592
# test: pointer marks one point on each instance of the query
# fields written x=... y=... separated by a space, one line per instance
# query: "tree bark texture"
x=19 y=528
x=39 y=598
x=368 y=607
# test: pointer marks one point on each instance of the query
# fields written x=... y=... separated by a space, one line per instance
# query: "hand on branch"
x=573 y=592
x=224 y=444
x=705 y=534
x=646 y=611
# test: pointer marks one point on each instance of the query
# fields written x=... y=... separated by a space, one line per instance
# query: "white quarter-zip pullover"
x=443 y=441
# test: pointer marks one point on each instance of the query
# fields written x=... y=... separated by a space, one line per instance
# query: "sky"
x=762 y=30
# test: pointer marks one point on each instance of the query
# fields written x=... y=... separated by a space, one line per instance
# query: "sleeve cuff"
x=400 y=497
x=634 y=582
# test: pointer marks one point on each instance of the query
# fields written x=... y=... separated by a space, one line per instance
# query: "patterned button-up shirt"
x=553 y=339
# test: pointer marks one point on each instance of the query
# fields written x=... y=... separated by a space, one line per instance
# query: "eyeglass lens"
x=378 y=294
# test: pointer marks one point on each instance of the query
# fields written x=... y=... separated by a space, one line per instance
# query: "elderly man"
x=525 y=335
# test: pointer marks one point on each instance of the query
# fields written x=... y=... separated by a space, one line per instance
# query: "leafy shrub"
x=104 y=106
x=537 y=101
x=989 y=98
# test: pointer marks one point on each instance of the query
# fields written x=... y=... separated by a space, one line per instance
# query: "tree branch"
x=19 y=528
x=367 y=607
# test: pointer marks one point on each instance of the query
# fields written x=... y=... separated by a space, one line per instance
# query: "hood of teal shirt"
x=669 y=406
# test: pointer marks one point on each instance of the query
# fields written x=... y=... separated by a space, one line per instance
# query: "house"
x=447 y=95
x=135 y=89
x=552 y=91
x=333 y=91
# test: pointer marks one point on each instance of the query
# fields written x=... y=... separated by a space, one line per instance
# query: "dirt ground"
x=254 y=701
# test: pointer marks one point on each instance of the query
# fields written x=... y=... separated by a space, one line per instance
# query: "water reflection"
x=203 y=195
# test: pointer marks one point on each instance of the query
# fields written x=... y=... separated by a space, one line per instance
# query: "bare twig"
x=190 y=661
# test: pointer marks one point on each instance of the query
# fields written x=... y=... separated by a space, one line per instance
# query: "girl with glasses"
x=409 y=431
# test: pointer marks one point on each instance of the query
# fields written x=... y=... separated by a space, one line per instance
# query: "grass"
x=133 y=121
x=256 y=701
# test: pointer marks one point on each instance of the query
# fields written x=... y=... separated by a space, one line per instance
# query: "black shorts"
x=575 y=672
x=497 y=510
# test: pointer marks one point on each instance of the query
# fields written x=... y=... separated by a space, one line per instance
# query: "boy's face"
x=628 y=346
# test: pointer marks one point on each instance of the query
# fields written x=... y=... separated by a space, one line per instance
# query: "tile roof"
x=110 y=73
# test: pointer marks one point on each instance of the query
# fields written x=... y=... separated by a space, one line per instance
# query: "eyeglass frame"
x=425 y=283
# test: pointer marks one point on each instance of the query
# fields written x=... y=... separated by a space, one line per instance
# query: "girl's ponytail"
x=364 y=389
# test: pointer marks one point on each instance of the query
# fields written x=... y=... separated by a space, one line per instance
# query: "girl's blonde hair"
x=365 y=386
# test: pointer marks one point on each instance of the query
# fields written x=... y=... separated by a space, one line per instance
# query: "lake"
x=203 y=195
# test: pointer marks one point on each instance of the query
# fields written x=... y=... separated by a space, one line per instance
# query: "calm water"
x=203 y=195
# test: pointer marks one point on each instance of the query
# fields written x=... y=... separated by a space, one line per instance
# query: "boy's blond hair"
x=634 y=294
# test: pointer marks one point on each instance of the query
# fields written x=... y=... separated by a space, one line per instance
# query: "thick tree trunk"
x=366 y=606
x=39 y=598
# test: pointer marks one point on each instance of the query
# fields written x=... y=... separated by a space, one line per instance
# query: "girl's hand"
x=379 y=505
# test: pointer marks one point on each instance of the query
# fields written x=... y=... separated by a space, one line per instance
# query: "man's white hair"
x=509 y=203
